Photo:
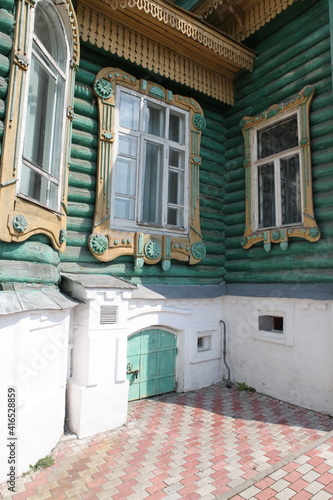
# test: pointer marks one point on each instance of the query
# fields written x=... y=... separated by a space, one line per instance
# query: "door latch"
x=130 y=370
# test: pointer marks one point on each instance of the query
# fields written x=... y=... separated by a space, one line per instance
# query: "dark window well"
x=271 y=323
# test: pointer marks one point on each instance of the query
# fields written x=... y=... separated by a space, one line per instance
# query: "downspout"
x=225 y=351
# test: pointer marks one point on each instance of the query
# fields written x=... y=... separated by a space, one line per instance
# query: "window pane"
x=125 y=176
x=176 y=187
x=176 y=158
x=266 y=187
x=45 y=114
x=152 y=192
x=154 y=119
x=277 y=138
x=176 y=128
x=127 y=145
x=38 y=187
x=175 y=216
x=124 y=208
x=129 y=111
x=291 y=190
x=48 y=30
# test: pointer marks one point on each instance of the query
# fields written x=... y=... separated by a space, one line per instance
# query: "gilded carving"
x=308 y=228
x=108 y=243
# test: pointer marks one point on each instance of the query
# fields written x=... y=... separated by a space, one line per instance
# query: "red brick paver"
x=211 y=443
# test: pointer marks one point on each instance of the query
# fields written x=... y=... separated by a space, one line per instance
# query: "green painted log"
x=3 y=87
x=79 y=224
x=212 y=225
x=2 y=109
x=234 y=197
x=321 y=174
x=6 y=44
x=214 y=134
x=84 y=76
x=85 y=139
x=8 y=4
x=82 y=181
x=80 y=209
x=323 y=200
x=215 y=204
x=75 y=239
x=211 y=167
x=4 y=65
x=309 y=276
x=83 y=92
x=81 y=195
x=29 y=251
x=215 y=248
x=85 y=124
x=213 y=146
x=235 y=208
x=212 y=156
x=230 y=187
x=7 y=21
x=211 y=214
x=28 y=272
x=214 y=116
x=323 y=185
x=1 y=129
x=212 y=237
x=82 y=153
x=211 y=191
x=86 y=109
x=285 y=263
x=324 y=215
x=91 y=66
x=322 y=157
x=235 y=175
x=83 y=167
x=236 y=230
x=234 y=219
x=292 y=59
x=210 y=178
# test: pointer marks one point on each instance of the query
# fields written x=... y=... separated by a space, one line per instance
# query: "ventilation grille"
x=109 y=315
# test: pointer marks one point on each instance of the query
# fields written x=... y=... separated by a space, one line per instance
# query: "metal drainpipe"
x=225 y=351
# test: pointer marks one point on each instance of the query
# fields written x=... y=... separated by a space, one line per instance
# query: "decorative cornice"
x=256 y=15
x=113 y=36
x=188 y=26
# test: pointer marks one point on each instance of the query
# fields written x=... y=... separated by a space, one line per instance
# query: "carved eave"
x=240 y=18
x=167 y=41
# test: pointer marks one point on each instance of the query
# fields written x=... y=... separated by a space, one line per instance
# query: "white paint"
x=33 y=360
x=295 y=367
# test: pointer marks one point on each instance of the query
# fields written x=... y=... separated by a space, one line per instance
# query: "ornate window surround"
x=300 y=104
x=21 y=218
x=107 y=243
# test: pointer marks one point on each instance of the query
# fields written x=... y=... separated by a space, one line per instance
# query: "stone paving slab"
x=214 y=443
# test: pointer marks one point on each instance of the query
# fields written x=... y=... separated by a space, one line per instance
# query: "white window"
x=45 y=113
x=150 y=167
x=278 y=179
x=277 y=174
x=38 y=123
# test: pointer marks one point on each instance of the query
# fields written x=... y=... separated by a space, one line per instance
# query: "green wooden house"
x=166 y=186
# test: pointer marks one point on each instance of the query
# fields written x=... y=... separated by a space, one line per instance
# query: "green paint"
x=151 y=363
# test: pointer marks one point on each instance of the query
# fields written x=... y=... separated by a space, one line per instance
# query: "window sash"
x=154 y=209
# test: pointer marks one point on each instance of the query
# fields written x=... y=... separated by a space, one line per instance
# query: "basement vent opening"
x=271 y=323
x=109 y=315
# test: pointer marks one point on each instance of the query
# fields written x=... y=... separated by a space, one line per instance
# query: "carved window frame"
x=22 y=217
x=297 y=105
x=147 y=246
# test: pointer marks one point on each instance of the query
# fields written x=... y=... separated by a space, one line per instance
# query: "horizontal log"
x=79 y=224
x=85 y=124
x=5 y=44
x=83 y=167
x=76 y=239
x=82 y=180
x=7 y=21
x=86 y=109
x=316 y=276
x=29 y=251
x=12 y=271
x=80 y=209
x=81 y=195
x=234 y=197
x=4 y=65
x=83 y=153
x=85 y=139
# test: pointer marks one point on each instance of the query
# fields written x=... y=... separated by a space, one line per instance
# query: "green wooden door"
x=151 y=363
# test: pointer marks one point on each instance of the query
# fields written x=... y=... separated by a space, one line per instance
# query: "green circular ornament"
x=314 y=232
x=199 y=122
x=98 y=243
x=153 y=249
x=276 y=235
x=20 y=223
x=198 y=250
x=103 y=88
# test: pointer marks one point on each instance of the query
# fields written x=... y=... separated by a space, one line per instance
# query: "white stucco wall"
x=33 y=360
x=98 y=388
x=295 y=366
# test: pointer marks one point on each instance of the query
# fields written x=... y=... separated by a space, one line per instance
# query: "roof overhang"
x=166 y=40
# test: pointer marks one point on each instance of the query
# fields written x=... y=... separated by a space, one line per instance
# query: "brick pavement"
x=211 y=443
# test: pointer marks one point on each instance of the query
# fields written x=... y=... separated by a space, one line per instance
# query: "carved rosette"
x=98 y=243
x=20 y=223
x=103 y=88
